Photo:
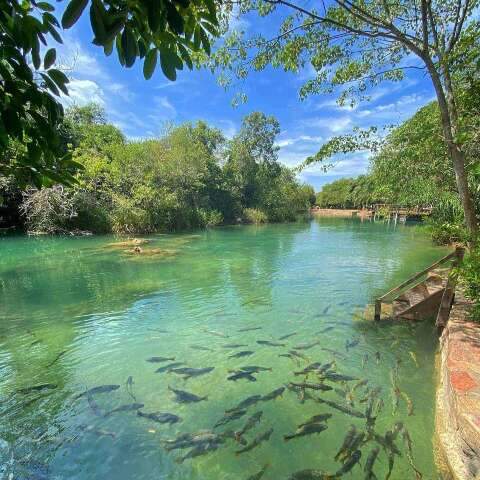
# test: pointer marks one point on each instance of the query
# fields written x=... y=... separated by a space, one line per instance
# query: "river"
x=78 y=313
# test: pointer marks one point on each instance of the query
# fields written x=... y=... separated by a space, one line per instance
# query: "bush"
x=444 y=233
x=254 y=215
x=470 y=278
x=49 y=210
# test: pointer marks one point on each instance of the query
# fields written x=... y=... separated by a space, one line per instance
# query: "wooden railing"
x=390 y=296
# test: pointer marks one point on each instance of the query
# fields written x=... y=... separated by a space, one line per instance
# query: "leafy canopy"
x=172 y=32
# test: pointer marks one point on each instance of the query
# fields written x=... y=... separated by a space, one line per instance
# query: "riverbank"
x=458 y=394
x=340 y=213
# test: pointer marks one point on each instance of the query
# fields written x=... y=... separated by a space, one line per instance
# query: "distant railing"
x=394 y=293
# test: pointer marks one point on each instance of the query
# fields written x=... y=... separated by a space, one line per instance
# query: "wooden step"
x=428 y=307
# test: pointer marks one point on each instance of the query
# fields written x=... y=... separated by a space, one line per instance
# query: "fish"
x=347 y=441
x=217 y=334
x=310 y=474
x=288 y=335
x=187 y=440
x=242 y=375
x=351 y=343
x=199 y=450
x=273 y=394
x=191 y=372
x=182 y=396
x=200 y=347
x=325 y=330
x=337 y=377
x=409 y=446
x=387 y=442
x=234 y=345
x=322 y=417
x=352 y=461
x=353 y=447
x=307 y=346
x=391 y=461
x=377 y=357
x=249 y=329
x=333 y=352
x=125 y=408
x=243 y=353
x=129 y=387
x=36 y=342
x=414 y=358
x=309 y=368
x=263 y=437
x=37 y=388
x=160 y=417
x=250 y=423
x=94 y=406
x=360 y=383
x=368 y=468
x=255 y=369
x=294 y=353
x=259 y=474
x=99 y=432
x=341 y=408
x=270 y=344
x=58 y=357
x=409 y=403
x=326 y=309
x=158 y=330
x=364 y=360
x=248 y=402
x=99 y=389
x=229 y=417
x=308 y=429
x=313 y=386
x=169 y=367
x=160 y=359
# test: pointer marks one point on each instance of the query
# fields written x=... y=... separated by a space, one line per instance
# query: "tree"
x=356 y=45
x=172 y=31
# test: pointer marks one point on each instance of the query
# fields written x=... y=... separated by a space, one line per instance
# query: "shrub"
x=470 y=278
x=444 y=233
x=49 y=210
x=254 y=215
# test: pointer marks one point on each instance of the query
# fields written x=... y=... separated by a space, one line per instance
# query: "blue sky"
x=141 y=108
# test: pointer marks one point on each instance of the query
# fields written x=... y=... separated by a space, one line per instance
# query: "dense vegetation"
x=412 y=168
x=190 y=177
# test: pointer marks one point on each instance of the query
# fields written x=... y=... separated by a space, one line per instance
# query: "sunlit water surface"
x=77 y=314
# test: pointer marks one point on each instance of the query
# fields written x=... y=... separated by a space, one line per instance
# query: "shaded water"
x=77 y=314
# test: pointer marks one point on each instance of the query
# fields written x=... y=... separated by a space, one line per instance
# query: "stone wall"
x=458 y=394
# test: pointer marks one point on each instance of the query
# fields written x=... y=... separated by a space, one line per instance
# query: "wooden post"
x=449 y=292
x=378 y=309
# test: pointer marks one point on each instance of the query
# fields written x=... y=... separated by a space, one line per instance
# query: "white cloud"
x=167 y=109
x=335 y=125
x=82 y=92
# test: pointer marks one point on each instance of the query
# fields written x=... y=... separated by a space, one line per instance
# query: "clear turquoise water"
x=78 y=314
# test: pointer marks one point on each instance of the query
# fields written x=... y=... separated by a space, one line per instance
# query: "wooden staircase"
x=428 y=293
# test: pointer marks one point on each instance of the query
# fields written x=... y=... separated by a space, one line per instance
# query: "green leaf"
x=46 y=7
x=59 y=78
x=150 y=63
x=175 y=20
x=97 y=20
x=185 y=56
x=49 y=58
x=54 y=34
x=154 y=15
x=73 y=12
x=129 y=46
x=36 y=54
x=167 y=62
x=108 y=48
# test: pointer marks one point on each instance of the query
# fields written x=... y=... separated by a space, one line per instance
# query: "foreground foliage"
x=171 y=32
x=191 y=177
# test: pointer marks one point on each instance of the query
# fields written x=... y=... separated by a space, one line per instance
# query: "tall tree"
x=355 y=45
